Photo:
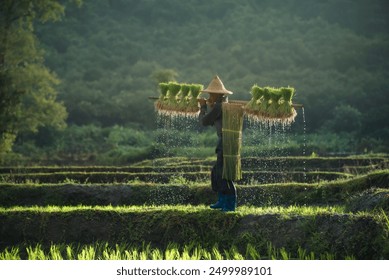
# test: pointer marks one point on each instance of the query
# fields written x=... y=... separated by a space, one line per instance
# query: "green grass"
x=243 y=210
x=165 y=176
x=173 y=251
x=178 y=189
x=326 y=229
x=134 y=217
x=248 y=163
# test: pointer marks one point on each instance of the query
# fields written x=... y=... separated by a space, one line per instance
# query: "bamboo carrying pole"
x=243 y=102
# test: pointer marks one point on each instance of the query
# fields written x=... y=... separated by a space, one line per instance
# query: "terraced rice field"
x=288 y=208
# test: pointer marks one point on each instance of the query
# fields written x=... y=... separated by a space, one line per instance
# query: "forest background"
x=106 y=57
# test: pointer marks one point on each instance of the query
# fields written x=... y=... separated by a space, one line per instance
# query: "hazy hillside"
x=335 y=53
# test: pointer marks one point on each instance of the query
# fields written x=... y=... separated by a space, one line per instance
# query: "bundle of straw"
x=232 y=140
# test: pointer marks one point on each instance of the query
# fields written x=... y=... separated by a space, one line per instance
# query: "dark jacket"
x=213 y=117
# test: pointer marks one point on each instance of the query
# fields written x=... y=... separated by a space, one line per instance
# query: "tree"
x=27 y=87
x=345 y=119
x=164 y=75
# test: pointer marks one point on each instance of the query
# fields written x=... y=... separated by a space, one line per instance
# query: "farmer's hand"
x=202 y=101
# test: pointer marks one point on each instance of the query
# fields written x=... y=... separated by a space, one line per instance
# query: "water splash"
x=257 y=118
x=171 y=195
x=268 y=143
x=172 y=133
x=304 y=145
x=176 y=120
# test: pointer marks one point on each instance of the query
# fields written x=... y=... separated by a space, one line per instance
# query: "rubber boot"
x=229 y=203
x=220 y=201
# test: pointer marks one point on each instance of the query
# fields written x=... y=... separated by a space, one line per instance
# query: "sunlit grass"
x=318 y=193
x=241 y=210
x=173 y=251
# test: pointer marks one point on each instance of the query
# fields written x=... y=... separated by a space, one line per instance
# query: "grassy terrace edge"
x=186 y=192
x=182 y=164
x=166 y=177
x=317 y=229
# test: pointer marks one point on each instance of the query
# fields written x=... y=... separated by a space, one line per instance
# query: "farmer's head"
x=216 y=90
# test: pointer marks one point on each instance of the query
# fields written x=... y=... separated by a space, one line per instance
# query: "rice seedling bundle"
x=183 y=97
x=263 y=107
x=232 y=140
x=163 y=88
x=174 y=89
x=178 y=99
x=271 y=105
x=253 y=104
x=273 y=109
x=193 y=106
x=286 y=110
x=167 y=100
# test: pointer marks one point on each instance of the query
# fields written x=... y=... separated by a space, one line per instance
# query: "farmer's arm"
x=209 y=118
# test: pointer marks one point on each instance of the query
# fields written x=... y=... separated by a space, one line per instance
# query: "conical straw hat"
x=216 y=86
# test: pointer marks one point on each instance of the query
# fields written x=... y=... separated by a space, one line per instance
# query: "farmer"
x=211 y=114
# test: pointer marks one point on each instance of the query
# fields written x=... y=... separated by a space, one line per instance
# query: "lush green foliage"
x=118 y=145
x=111 y=55
x=27 y=86
x=107 y=51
